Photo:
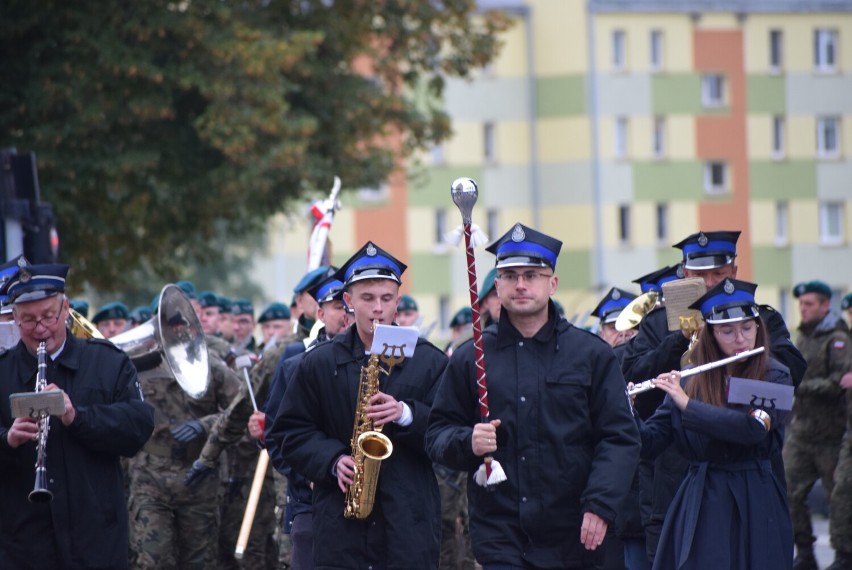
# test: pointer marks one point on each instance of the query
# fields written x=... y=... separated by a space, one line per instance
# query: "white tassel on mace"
x=477 y=236
x=497 y=473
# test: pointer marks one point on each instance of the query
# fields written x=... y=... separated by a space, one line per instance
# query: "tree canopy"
x=163 y=127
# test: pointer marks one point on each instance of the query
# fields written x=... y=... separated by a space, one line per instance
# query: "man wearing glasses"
x=85 y=524
x=560 y=423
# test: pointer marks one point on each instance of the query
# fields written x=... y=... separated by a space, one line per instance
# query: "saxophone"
x=369 y=445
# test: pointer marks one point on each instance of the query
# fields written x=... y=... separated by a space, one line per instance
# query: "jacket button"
x=521 y=343
x=523 y=398
x=523 y=499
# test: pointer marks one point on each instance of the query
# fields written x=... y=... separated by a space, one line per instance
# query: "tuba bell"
x=636 y=310
x=173 y=338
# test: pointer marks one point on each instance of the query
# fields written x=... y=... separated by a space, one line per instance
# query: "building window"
x=437 y=152
x=656 y=50
x=825 y=50
x=662 y=223
x=715 y=177
x=440 y=226
x=620 y=137
x=831 y=223
x=782 y=224
x=777 y=137
x=713 y=90
x=828 y=137
x=659 y=142
x=619 y=55
x=492 y=229
x=783 y=303
x=488 y=141
x=776 y=55
x=444 y=309
x=624 y=224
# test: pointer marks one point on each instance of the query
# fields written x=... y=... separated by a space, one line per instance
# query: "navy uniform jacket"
x=731 y=509
x=317 y=418
x=655 y=350
x=87 y=519
x=567 y=442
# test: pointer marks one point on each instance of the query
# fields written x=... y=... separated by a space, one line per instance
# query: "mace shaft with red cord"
x=464 y=193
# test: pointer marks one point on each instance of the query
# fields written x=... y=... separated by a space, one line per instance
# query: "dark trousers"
x=302 y=539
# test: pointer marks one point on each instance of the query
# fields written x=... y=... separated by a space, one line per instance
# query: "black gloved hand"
x=188 y=431
x=196 y=473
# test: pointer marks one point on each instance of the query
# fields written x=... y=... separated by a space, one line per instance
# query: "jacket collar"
x=69 y=358
x=507 y=333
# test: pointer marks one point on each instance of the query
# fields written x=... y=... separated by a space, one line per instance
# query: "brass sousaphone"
x=172 y=338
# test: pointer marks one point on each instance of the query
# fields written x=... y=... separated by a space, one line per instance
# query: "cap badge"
x=371 y=250
x=616 y=295
x=800 y=289
x=679 y=272
x=702 y=240
x=22 y=262
x=24 y=276
x=518 y=234
x=729 y=287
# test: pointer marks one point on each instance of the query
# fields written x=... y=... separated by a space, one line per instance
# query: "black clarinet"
x=40 y=492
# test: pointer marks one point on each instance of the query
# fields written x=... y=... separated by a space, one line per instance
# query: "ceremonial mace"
x=464 y=192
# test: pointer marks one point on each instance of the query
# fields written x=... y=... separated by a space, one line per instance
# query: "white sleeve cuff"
x=407 y=417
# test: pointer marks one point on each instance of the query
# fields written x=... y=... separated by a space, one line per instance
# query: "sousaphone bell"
x=172 y=338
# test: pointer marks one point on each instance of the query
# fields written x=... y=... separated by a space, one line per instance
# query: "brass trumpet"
x=636 y=310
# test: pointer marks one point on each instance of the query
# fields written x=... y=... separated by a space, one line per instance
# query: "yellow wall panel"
x=643 y=224
x=799 y=39
x=564 y=139
x=801 y=137
x=641 y=136
x=680 y=137
x=560 y=36
x=466 y=144
x=420 y=231
x=677 y=41
x=571 y=224
x=683 y=220
x=762 y=222
x=512 y=142
x=716 y=21
x=846 y=134
x=759 y=131
x=804 y=222
x=512 y=61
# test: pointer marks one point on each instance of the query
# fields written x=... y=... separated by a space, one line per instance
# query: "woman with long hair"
x=731 y=509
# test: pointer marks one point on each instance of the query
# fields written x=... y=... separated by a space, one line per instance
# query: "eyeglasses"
x=527 y=276
x=29 y=324
x=729 y=333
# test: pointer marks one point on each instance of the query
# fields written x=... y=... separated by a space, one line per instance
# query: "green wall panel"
x=676 y=94
x=783 y=180
x=431 y=187
x=429 y=273
x=560 y=96
x=574 y=269
x=668 y=181
x=766 y=94
x=772 y=266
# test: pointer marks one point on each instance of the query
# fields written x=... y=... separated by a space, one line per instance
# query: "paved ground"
x=823 y=550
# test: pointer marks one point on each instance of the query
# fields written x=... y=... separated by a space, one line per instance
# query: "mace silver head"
x=464 y=192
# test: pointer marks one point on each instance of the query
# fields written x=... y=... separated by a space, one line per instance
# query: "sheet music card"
x=394 y=340
x=758 y=394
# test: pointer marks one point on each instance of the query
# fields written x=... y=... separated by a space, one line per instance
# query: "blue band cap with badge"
x=242 y=307
x=7 y=272
x=612 y=304
x=371 y=262
x=327 y=290
x=709 y=250
x=35 y=282
x=654 y=281
x=728 y=302
x=112 y=311
x=815 y=286
x=525 y=247
x=274 y=312
x=313 y=277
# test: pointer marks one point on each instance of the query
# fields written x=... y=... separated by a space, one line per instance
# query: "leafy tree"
x=163 y=129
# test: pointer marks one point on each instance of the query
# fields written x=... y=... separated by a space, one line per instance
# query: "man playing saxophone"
x=85 y=523
x=316 y=421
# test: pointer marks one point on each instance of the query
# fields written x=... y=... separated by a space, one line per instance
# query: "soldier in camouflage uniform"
x=819 y=411
x=171 y=526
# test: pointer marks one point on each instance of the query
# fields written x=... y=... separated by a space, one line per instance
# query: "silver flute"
x=649 y=384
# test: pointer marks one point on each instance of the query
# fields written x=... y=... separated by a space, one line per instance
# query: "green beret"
x=242 y=307
x=207 y=299
x=311 y=278
x=81 y=306
x=406 y=303
x=274 y=312
x=464 y=316
x=224 y=303
x=812 y=287
x=141 y=314
x=115 y=310
x=487 y=284
x=559 y=308
x=846 y=302
x=187 y=287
